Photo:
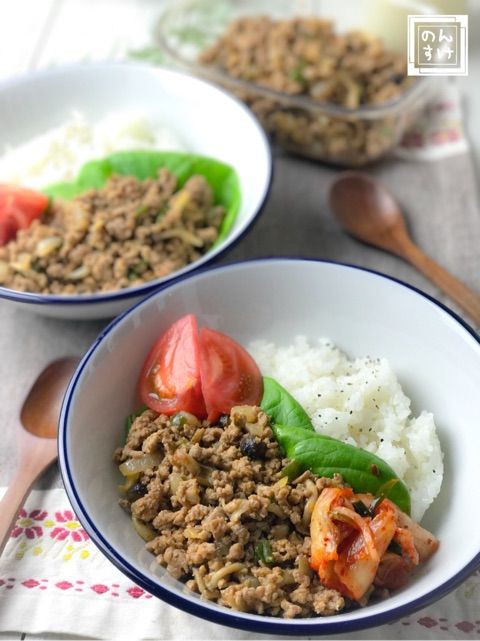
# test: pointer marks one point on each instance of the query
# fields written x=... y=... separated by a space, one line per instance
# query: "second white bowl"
x=207 y=120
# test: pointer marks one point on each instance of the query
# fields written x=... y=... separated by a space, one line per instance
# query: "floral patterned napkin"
x=53 y=579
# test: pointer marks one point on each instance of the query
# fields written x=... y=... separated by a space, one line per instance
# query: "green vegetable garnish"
x=141 y=211
x=141 y=165
x=193 y=35
x=382 y=493
x=130 y=419
x=296 y=74
x=264 y=552
x=148 y=54
x=292 y=470
x=161 y=213
x=281 y=407
x=178 y=420
x=326 y=456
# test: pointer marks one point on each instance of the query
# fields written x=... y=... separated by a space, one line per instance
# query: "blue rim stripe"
x=33 y=298
x=253 y=623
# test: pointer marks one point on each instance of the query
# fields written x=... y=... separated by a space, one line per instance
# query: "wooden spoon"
x=366 y=210
x=37 y=439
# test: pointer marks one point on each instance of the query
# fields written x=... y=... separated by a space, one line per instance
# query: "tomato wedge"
x=228 y=373
x=204 y=373
x=170 y=378
x=18 y=208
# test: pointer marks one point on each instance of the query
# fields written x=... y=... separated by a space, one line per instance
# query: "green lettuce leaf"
x=222 y=178
x=282 y=407
x=324 y=455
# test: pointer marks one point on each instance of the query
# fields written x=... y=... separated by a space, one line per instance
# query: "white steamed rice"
x=58 y=154
x=360 y=402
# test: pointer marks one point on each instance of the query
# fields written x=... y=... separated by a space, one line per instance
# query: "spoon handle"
x=15 y=496
x=465 y=297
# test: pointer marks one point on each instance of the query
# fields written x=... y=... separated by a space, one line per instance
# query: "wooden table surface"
x=36 y=34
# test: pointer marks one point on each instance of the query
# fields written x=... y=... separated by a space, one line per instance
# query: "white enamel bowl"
x=437 y=360
x=206 y=119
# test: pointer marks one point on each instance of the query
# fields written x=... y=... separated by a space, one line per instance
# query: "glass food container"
x=323 y=131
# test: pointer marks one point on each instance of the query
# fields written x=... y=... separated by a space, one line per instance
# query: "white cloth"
x=54 y=580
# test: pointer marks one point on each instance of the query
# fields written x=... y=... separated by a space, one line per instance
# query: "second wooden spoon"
x=36 y=438
x=366 y=210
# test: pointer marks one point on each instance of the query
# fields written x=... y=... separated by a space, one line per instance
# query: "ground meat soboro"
x=122 y=235
x=222 y=518
x=305 y=57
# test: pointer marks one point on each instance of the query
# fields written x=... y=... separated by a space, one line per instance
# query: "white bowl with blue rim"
x=207 y=120
x=435 y=355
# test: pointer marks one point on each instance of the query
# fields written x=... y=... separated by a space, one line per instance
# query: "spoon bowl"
x=36 y=438
x=366 y=210
x=369 y=212
x=41 y=408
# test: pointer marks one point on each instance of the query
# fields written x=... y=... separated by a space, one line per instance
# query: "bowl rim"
x=419 y=89
x=249 y=622
x=158 y=283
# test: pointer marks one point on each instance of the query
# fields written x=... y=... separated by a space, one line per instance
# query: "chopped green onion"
x=384 y=489
x=130 y=419
x=161 y=213
x=382 y=494
x=296 y=74
x=292 y=470
x=128 y=423
x=141 y=210
x=137 y=269
x=148 y=54
x=264 y=552
x=178 y=420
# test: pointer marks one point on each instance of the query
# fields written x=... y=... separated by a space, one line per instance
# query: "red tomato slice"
x=170 y=378
x=8 y=230
x=229 y=374
x=18 y=208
